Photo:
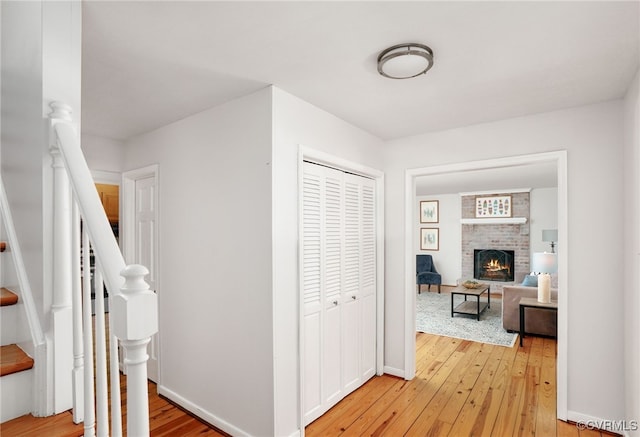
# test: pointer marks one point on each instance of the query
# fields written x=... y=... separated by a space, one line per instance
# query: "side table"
x=531 y=302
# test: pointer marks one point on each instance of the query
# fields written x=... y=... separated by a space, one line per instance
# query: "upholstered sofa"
x=541 y=322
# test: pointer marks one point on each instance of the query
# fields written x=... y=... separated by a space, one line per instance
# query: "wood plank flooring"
x=461 y=388
x=165 y=419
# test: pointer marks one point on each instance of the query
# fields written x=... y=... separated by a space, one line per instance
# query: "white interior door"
x=352 y=310
x=332 y=248
x=311 y=252
x=141 y=237
x=145 y=249
x=338 y=285
x=367 y=269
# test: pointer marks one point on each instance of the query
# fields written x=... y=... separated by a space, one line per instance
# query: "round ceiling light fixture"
x=404 y=61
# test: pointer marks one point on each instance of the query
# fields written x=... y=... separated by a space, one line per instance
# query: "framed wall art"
x=493 y=206
x=429 y=239
x=429 y=211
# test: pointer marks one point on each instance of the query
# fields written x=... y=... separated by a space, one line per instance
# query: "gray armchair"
x=426 y=273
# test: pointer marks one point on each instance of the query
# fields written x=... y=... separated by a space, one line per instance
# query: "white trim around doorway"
x=560 y=159
x=127 y=229
x=128 y=208
x=106 y=177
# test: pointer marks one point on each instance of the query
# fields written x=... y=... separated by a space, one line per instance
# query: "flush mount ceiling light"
x=404 y=61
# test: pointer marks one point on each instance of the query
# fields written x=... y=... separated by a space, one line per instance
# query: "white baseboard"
x=591 y=422
x=201 y=412
x=394 y=372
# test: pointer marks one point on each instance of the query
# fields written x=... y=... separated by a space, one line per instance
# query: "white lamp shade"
x=405 y=66
x=544 y=262
x=550 y=235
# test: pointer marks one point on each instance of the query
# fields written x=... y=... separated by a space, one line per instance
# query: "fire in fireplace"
x=493 y=265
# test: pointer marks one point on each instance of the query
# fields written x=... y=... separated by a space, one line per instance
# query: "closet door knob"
x=353 y=297
x=335 y=302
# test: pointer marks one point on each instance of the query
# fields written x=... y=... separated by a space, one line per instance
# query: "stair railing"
x=39 y=407
x=133 y=308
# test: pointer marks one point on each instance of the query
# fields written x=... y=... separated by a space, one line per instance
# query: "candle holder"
x=543 y=264
x=544 y=288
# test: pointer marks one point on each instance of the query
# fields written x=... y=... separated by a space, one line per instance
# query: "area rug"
x=433 y=316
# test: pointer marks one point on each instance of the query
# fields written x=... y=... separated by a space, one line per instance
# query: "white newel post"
x=135 y=317
x=62 y=329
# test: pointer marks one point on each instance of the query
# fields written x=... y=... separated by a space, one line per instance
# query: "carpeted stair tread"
x=13 y=359
x=7 y=297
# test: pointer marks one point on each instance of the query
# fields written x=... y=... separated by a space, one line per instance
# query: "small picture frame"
x=493 y=206
x=429 y=211
x=429 y=239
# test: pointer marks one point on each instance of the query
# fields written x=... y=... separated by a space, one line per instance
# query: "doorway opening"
x=140 y=240
x=559 y=158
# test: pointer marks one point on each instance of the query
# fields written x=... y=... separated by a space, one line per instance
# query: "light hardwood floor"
x=461 y=388
x=165 y=419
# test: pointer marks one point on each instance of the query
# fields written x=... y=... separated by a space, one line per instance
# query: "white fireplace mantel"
x=494 y=221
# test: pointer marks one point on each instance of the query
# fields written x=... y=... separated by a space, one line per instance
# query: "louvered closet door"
x=312 y=307
x=367 y=295
x=338 y=250
x=322 y=282
x=359 y=309
x=352 y=308
x=331 y=268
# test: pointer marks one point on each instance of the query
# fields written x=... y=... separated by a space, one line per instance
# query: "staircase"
x=16 y=374
x=75 y=361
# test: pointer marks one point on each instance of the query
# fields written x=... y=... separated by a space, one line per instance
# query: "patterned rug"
x=433 y=316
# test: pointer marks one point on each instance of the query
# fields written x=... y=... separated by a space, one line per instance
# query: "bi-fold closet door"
x=338 y=285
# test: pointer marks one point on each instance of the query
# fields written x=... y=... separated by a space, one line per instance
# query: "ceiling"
x=542 y=175
x=147 y=64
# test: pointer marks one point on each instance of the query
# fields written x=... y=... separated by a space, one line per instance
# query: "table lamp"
x=550 y=236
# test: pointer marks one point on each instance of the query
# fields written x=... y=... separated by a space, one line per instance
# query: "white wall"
x=592 y=135
x=544 y=215
x=23 y=132
x=299 y=123
x=41 y=50
x=40 y=64
x=218 y=173
x=631 y=212
x=103 y=154
x=215 y=280
x=448 y=258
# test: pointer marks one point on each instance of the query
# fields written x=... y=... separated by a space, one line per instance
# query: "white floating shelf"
x=494 y=221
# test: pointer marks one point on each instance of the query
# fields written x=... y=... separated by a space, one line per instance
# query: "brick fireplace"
x=504 y=239
x=493 y=265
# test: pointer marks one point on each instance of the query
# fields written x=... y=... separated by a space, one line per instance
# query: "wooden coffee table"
x=468 y=306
